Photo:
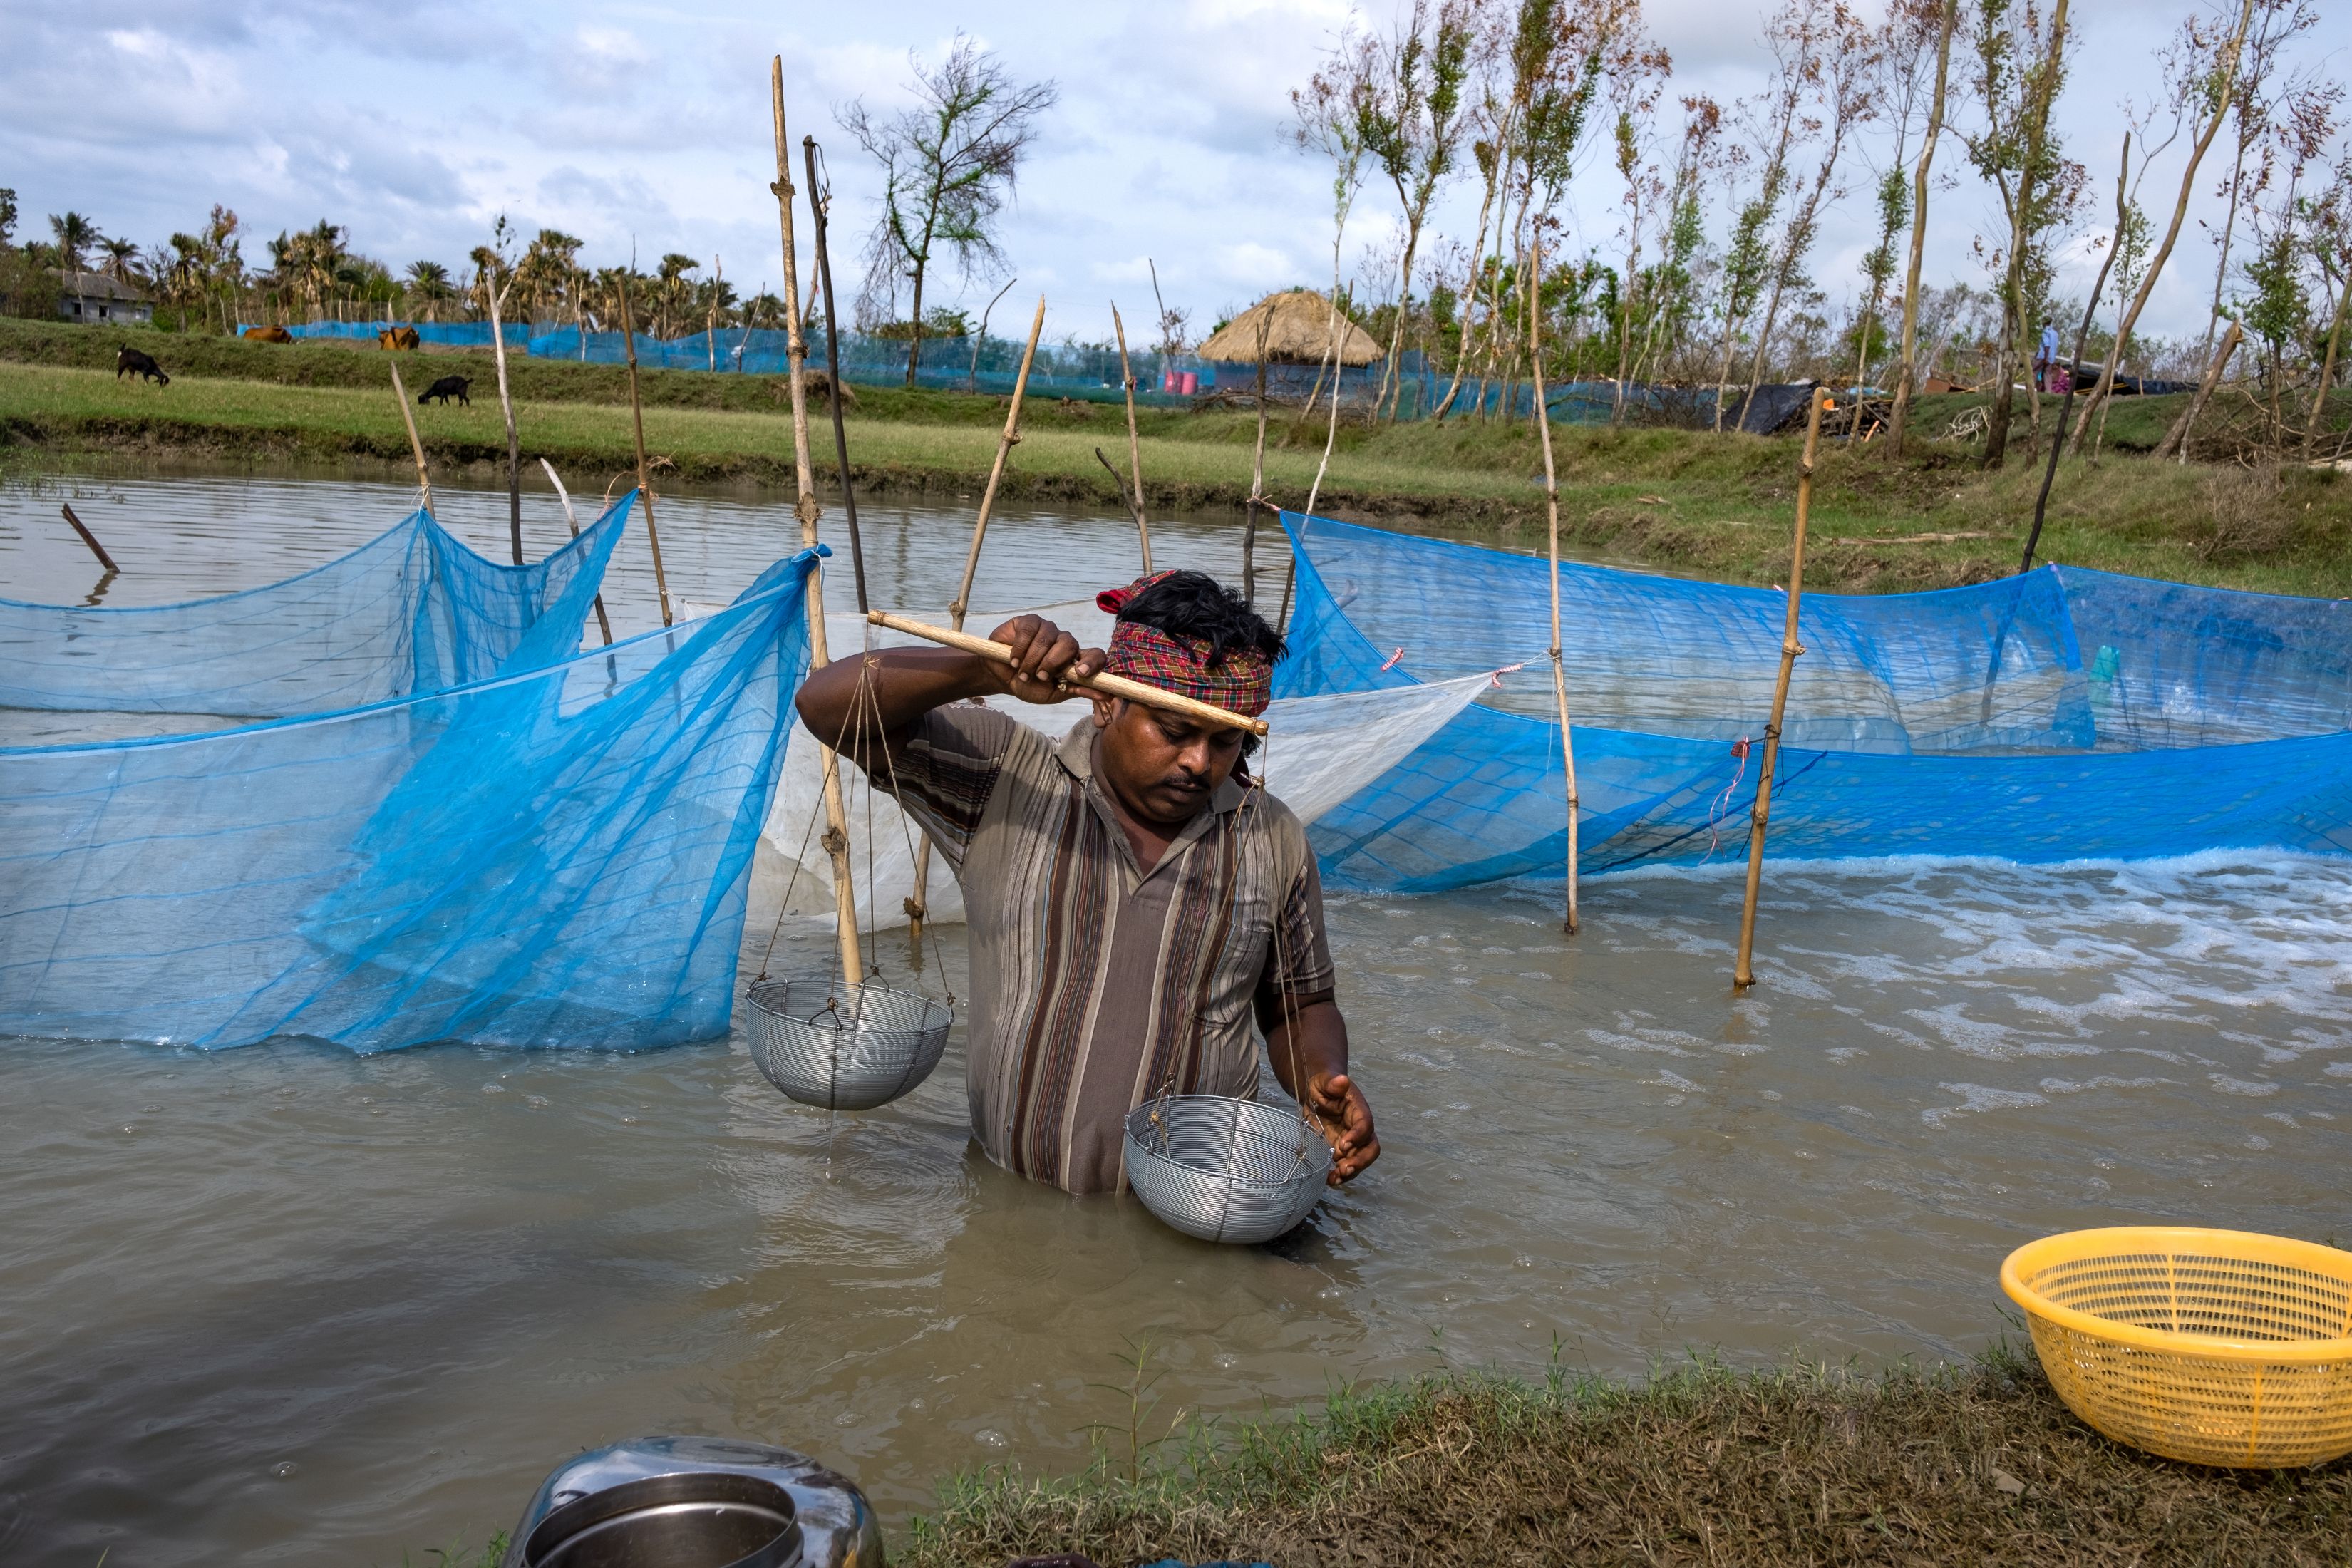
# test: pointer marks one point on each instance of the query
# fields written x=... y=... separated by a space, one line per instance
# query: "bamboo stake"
x=90 y=538
x=1257 y=474
x=424 y=482
x=1106 y=685
x=819 y=198
x=603 y=622
x=1551 y=504
x=836 y=819
x=920 y=905
x=1004 y=445
x=1743 y=973
x=638 y=424
x=505 y=406
x=1134 y=447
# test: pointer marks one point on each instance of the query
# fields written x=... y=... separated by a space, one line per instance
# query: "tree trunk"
x=2105 y=389
x=1477 y=268
x=915 y=342
x=2326 y=369
x=2176 y=440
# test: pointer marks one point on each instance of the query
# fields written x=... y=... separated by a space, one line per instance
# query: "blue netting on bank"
x=556 y=857
x=412 y=610
x=2058 y=715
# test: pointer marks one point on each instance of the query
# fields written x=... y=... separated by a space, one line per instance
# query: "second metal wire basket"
x=843 y=1048
x=1224 y=1169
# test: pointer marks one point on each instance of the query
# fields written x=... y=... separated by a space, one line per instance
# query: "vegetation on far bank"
x=1717 y=505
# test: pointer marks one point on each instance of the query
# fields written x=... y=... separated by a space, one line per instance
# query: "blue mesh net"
x=412 y=610
x=557 y=857
x=2059 y=714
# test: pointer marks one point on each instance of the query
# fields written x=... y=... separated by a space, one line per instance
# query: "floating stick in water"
x=1743 y=974
x=836 y=821
x=424 y=482
x=1551 y=504
x=1106 y=684
x=90 y=538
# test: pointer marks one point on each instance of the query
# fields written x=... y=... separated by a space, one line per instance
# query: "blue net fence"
x=412 y=610
x=2058 y=715
x=1420 y=388
x=557 y=857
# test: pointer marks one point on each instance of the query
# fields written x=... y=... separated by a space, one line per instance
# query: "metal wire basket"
x=1224 y=1169
x=839 y=1048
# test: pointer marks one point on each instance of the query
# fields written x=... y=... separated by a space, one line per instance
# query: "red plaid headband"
x=1241 y=681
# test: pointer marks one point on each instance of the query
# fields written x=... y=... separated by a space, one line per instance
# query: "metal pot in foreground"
x=695 y=1502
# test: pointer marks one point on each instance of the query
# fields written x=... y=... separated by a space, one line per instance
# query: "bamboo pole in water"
x=920 y=905
x=424 y=482
x=638 y=425
x=836 y=820
x=1743 y=974
x=90 y=538
x=819 y=200
x=506 y=407
x=1134 y=445
x=1257 y=501
x=1552 y=505
x=572 y=518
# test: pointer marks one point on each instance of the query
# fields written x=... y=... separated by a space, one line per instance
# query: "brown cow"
x=269 y=334
x=397 y=338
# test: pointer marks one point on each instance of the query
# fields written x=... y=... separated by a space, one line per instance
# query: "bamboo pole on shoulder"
x=1134 y=445
x=836 y=819
x=637 y=427
x=423 y=481
x=919 y=906
x=1551 y=506
x=1743 y=973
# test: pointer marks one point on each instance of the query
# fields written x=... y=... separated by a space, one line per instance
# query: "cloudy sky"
x=647 y=124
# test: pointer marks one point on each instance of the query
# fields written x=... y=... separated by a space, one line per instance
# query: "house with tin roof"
x=94 y=296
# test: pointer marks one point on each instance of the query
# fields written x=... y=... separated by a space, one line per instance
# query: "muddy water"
x=284 y=1305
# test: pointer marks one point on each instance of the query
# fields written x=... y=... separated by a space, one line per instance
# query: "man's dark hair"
x=1195 y=605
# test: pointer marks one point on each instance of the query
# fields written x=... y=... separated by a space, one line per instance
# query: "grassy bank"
x=1720 y=506
x=1979 y=1464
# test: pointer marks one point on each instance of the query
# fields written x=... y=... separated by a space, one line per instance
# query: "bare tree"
x=2201 y=71
x=2021 y=65
x=2274 y=24
x=1947 y=22
x=949 y=166
x=1776 y=126
x=1331 y=113
x=1413 y=128
x=1648 y=200
x=1845 y=56
x=1906 y=58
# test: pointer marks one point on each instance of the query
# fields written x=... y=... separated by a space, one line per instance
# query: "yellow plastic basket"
x=2221 y=1347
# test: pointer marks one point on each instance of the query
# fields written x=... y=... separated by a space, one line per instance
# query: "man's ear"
x=1105 y=709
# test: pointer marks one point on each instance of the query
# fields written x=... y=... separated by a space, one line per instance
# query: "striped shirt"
x=1095 y=984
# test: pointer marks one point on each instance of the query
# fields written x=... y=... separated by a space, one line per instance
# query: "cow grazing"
x=129 y=361
x=397 y=338
x=269 y=334
x=447 y=387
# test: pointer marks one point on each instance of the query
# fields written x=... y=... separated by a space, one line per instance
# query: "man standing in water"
x=1133 y=900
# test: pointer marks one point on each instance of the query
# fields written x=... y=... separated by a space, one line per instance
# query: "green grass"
x=1720 y=506
x=1699 y=1465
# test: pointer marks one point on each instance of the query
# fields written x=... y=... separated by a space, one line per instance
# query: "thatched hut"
x=1295 y=323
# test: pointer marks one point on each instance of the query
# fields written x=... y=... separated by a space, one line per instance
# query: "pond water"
x=286 y=1305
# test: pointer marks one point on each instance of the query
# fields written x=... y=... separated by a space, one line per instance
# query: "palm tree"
x=430 y=282
x=121 y=262
x=74 y=234
x=673 y=291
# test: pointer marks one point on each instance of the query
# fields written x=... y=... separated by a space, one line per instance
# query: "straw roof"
x=1295 y=322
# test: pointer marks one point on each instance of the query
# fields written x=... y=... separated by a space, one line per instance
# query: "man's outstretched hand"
x=1044 y=657
x=1345 y=1118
